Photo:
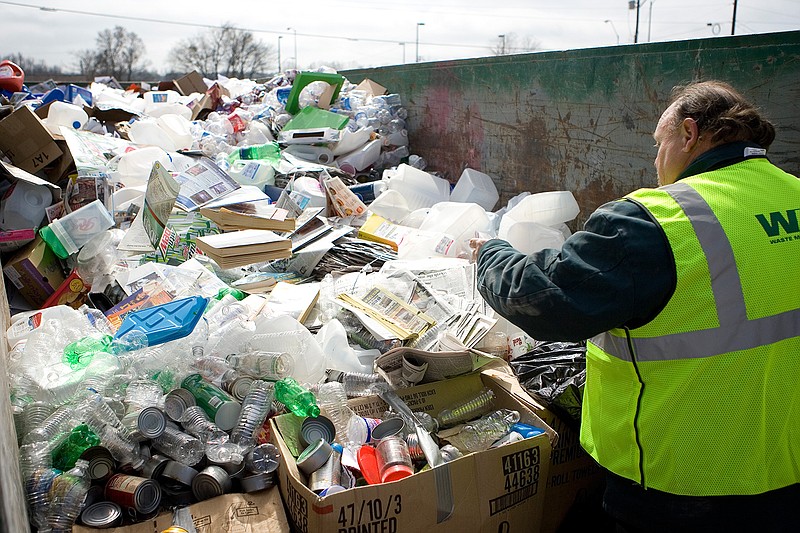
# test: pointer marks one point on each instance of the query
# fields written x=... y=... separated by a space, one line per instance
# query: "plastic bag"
x=556 y=373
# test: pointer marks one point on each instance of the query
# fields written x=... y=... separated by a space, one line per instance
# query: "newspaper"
x=148 y=227
x=404 y=319
x=399 y=366
x=203 y=183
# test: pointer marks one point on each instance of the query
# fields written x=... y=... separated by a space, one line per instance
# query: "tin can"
x=237 y=386
x=176 y=402
x=394 y=460
x=327 y=475
x=101 y=462
x=212 y=481
x=145 y=424
x=134 y=493
x=314 y=456
x=102 y=515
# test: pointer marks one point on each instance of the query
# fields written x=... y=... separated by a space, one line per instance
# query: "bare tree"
x=511 y=43
x=226 y=50
x=32 y=66
x=119 y=53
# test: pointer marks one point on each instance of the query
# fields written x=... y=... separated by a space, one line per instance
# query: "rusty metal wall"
x=582 y=120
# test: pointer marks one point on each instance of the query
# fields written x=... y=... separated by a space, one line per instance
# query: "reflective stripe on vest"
x=735 y=331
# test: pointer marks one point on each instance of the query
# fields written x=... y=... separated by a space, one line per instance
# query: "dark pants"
x=650 y=511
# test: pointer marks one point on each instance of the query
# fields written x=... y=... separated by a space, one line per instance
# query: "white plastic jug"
x=352 y=140
x=425 y=244
x=360 y=158
x=311 y=189
x=547 y=208
x=308 y=152
x=24 y=205
x=475 y=187
x=419 y=188
x=461 y=221
x=133 y=167
x=178 y=128
x=64 y=114
x=147 y=131
x=390 y=205
x=530 y=237
x=252 y=172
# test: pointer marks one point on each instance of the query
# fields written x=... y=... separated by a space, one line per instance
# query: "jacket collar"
x=723 y=156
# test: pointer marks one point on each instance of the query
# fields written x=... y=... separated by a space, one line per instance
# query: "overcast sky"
x=368 y=33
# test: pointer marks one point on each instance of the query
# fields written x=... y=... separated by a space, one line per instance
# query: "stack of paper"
x=239 y=248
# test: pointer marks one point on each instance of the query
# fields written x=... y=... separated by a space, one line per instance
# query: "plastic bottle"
x=78 y=354
x=219 y=406
x=11 y=76
x=69 y=451
x=480 y=434
x=252 y=172
x=24 y=205
x=37 y=489
x=179 y=446
x=66 y=495
x=217 y=371
x=332 y=398
x=268 y=151
x=269 y=366
x=357 y=384
x=475 y=187
x=67 y=115
x=195 y=422
x=255 y=408
x=296 y=398
x=467 y=409
x=359 y=334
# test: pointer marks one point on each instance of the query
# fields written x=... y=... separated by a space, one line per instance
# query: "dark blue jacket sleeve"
x=618 y=272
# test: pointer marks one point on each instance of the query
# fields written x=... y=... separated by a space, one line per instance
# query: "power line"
x=212 y=26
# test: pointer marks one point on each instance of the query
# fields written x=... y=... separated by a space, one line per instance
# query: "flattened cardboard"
x=35 y=272
x=257 y=512
x=371 y=88
x=26 y=141
x=191 y=83
x=501 y=489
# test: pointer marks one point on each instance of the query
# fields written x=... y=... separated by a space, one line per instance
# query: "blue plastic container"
x=166 y=322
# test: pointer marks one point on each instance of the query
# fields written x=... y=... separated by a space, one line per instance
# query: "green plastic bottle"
x=80 y=439
x=268 y=152
x=78 y=354
x=296 y=398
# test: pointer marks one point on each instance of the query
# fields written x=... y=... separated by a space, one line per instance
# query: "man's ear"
x=690 y=134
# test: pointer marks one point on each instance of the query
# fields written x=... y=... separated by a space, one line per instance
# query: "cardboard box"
x=371 y=88
x=257 y=512
x=501 y=489
x=35 y=271
x=575 y=481
x=191 y=83
x=26 y=141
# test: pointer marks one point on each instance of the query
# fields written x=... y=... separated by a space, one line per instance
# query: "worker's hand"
x=475 y=245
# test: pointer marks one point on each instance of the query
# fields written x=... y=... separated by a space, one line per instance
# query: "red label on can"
x=121 y=489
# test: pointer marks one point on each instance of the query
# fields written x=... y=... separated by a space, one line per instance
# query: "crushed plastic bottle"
x=480 y=434
x=296 y=398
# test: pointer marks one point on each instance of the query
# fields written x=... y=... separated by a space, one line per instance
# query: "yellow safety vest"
x=703 y=400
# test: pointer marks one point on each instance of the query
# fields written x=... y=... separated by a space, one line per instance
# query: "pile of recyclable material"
x=189 y=263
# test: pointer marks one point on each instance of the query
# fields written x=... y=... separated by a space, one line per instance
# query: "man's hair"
x=722 y=113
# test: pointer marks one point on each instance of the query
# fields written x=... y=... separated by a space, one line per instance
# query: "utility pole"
x=279 y=54
x=733 y=22
x=650 y=20
x=503 y=45
x=418 y=25
x=635 y=4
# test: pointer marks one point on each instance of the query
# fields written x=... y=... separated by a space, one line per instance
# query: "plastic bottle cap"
x=396 y=473
x=368 y=464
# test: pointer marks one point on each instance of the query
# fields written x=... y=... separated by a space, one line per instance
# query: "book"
x=233 y=261
x=255 y=215
x=244 y=242
x=264 y=281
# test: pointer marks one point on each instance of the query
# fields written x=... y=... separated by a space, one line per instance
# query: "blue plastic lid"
x=166 y=322
x=526 y=430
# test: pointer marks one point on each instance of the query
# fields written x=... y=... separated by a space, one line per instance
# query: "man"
x=690 y=294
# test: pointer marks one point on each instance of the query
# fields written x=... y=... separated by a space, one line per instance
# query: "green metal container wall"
x=582 y=120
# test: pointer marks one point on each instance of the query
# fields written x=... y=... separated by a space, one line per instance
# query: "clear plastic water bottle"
x=480 y=434
x=269 y=366
x=179 y=446
x=69 y=451
x=37 y=493
x=357 y=384
x=67 y=494
x=332 y=398
x=255 y=408
x=467 y=409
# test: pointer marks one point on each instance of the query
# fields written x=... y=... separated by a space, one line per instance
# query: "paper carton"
x=26 y=141
x=500 y=489
x=35 y=272
x=191 y=83
x=574 y=477
x=258 y=512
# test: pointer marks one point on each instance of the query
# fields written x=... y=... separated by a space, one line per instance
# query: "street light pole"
x=280 y=69
x=503 y=44
x=404 y=51
x=295 y=46
x=418 y=25
x=609 y=21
